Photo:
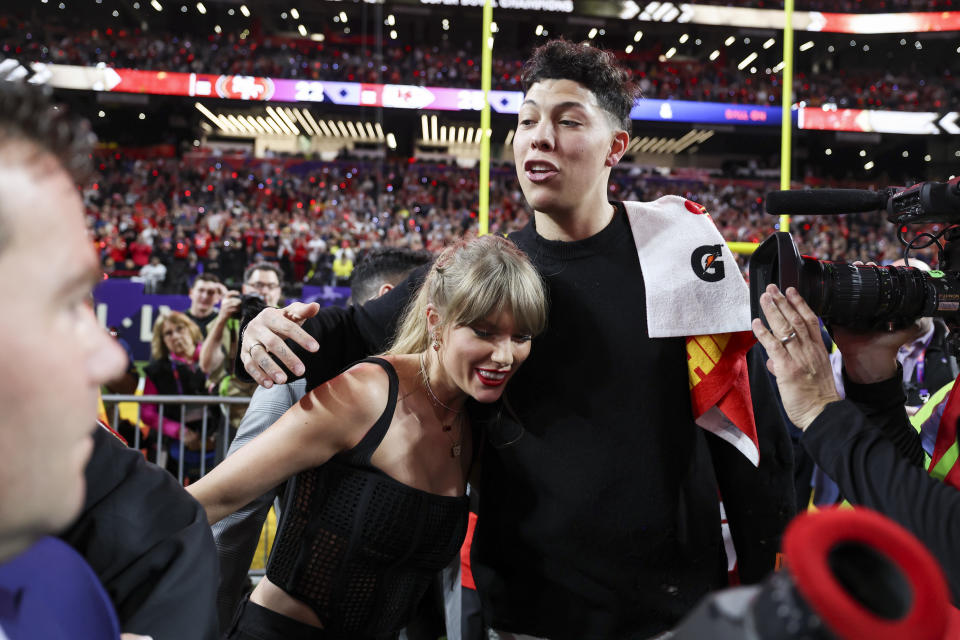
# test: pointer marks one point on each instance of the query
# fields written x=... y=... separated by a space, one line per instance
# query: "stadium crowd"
x=220 y=215
x=686 y=75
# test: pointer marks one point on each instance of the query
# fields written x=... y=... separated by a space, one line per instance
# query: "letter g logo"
x=706 y=263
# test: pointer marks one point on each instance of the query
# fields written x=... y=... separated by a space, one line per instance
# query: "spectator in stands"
x=47 y=271
x=599 y=496
x=173 y=371
x=466 y=335
x=261 y=281
x=237 y=534
x=205 y=294
x=153 y=275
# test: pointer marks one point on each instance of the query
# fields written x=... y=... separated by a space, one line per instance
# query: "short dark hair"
x=28 y=117
x=209 y=277
x=595 y=69
x=263 y=266
x=383 y=265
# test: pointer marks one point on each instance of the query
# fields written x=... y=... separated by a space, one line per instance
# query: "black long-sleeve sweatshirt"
x=867 y=446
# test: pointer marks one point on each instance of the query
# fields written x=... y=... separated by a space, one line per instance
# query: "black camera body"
x=866 y=296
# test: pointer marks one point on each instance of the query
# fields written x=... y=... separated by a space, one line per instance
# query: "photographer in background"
x=262 y=286
x=864 y=442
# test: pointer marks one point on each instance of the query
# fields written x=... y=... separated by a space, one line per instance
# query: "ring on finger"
x=784 y=340
x=255 y=344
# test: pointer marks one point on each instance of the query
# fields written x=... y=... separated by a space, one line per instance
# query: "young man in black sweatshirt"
x=599 y=515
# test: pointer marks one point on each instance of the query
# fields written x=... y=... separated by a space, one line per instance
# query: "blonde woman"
x=381 y=455
x=173 y=370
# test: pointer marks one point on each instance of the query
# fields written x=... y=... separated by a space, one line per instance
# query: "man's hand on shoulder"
x=263 y=339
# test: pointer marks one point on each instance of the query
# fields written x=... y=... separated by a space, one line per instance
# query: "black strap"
x=361 y=453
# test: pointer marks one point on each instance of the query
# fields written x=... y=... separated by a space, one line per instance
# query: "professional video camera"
x=868 y=296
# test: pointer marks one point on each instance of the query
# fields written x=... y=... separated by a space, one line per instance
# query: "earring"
x=436 y=343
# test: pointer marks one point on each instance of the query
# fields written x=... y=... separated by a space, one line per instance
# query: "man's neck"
x=197 y=314
x=571 y=226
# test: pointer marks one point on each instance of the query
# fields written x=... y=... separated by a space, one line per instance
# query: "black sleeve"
x=870 y=471
x=348 y=335
x=758 y=501
x=149 y=543
x=883 y=405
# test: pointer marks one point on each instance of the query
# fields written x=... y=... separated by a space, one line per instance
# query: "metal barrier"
x=206 y=402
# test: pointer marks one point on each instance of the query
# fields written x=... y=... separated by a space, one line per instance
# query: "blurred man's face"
x=266 y=283
x=56 y=353
x=204 y=296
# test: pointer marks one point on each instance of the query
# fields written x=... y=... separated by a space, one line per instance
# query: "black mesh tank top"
x=359 y=547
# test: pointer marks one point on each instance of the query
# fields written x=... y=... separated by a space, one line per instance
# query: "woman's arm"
x=332 y=418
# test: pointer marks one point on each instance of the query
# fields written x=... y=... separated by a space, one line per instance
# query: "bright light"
x=629 y=49
x=715 y=54
x=539 y=30
x=778 y=68
x=917 y=45
x=494 y=28
x=863 y=153
x=216 y=28
x=927 y=158
x=869 y=165
x=831 y=49
x=684 y=38
x=294 y=14
x=245 y=11
x=670 y=52
x=390 y=21
x=115 y=14
x=769 y=43
x=393 y=35
x=729 y=41
x=391 y=141
x=746 y=61
x=866 y=47
x=905 y=154
x=853 y=43
x=445 y=24
x=343 y=16
x=829 y=152
x=202 y=9
x=303 y=30
x=637 y=36
x=156 y=5
x=142 y=116
x=806 y=46
x=592 y=34
x=102 y=114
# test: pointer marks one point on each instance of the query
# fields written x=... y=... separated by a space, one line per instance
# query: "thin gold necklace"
x=455 y=445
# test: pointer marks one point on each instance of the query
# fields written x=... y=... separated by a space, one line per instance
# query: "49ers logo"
x=706 y=263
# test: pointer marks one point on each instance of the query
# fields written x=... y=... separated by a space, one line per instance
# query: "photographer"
x=262 y=286
x=865 y=442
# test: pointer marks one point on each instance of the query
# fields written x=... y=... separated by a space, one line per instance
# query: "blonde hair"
x=158 y=349
x=470 y=281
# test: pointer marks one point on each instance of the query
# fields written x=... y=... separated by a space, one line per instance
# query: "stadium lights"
x=670 y=53
x=202 y=9
x=637 y=36
x=715 y=54
x=629 y=49
x=684 y=38
x=303 y=30
x=806 y=46
x=391 y=141
x=769 y=43
x=828 y=151
x=390 y=21
x=393 y=35
x=905 y=154
x=217 y=29
x=379 y=131
x=245 y=11
x=869 y=165
x=927 y=158
x=729 y=41
x=746 y=61
x=539 y=30
x=102 y=114
x=343 y=16
x=294 y=14
x=592 y=34
x=863 y=153
x=156 y=5
x=509 y=137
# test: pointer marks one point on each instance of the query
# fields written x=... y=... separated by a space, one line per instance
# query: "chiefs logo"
x=693 y=207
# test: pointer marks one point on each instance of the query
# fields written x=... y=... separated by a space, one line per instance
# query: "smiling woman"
x=352 y=555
